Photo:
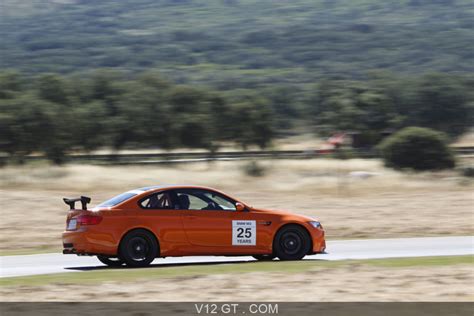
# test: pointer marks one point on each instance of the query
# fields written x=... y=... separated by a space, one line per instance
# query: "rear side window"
x=158 y=201
x=117 y=199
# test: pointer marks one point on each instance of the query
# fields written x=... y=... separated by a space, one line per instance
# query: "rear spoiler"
x=72 y=202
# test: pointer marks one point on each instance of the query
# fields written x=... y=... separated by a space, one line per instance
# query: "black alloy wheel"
x=139 y=248
x=292 y=242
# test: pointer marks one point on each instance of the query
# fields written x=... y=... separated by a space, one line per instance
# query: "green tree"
x=353 y=106
x=255 y=123
x=441 y=102
x=91 y=131
x=11 y=82
x=32 y=125
x=285 y=105
x=193 y=132
x=150 y=118
x=194 y=116
x=52 y=88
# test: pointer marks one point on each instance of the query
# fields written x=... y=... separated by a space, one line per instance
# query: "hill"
x=239 y=43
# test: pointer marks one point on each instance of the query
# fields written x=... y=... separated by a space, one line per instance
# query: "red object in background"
x=333 y=142
x=337 y=139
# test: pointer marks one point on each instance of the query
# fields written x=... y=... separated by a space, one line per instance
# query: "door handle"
x=265 y=223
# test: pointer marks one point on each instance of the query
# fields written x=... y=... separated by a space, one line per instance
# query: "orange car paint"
x=181 y=232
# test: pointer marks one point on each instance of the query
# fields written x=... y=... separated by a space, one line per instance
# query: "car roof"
x=172 y=186
x=153 y=188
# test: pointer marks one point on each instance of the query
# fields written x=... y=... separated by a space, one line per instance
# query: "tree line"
x=56 y=115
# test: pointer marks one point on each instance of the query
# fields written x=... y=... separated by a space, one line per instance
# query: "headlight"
x=316 y=224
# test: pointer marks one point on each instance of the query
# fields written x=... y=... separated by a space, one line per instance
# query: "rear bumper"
x=87 y=243
x=73 y=251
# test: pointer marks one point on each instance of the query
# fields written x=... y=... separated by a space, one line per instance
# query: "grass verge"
x=29 y=251
x=159 y=272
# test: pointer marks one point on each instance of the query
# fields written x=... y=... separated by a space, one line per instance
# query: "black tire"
x=139 y=248
x=264 y=257
x=111 y=262
x=292 y=242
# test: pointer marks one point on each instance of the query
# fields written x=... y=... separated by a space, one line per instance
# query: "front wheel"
x=139 y=248
x=111 y=262
x=292 y=242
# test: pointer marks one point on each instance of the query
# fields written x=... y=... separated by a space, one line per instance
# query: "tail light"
x=89 y=219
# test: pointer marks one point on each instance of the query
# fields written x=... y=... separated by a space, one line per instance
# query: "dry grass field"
x=353 y=198
x=466 y=139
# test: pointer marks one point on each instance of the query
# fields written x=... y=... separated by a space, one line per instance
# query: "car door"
x=204 y=225
x=211 y=220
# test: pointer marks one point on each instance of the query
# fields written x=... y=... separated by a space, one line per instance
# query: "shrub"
x=417 y=148
x=253 y=169
x=468 y=172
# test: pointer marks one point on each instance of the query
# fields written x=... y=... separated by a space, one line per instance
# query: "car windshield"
x=117 y=199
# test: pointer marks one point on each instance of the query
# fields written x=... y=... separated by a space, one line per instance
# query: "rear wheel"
x=292 y=242
x=264 y=257
x=139 y=248
x=111 y=262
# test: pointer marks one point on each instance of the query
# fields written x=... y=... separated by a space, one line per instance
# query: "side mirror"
x=239 y=207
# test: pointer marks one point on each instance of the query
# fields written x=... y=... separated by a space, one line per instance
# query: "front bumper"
x=319 y=242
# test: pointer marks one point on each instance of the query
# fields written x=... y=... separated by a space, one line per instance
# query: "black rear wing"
x=72 y=202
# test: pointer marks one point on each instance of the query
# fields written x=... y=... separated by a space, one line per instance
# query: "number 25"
x=240 y=232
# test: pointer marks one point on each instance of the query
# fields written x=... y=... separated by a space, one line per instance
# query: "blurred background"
x=359 y=112
x=79 y=75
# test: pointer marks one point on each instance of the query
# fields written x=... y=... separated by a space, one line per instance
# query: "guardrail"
x=463 y=150
x=183 y=157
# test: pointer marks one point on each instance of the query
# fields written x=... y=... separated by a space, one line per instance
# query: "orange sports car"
x=137 y=226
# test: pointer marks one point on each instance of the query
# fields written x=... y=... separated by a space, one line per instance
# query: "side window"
x=160 y=200
x=195 y=199
x=188 y=201
x=223 y=202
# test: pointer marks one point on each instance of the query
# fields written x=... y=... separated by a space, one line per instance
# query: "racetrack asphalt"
x=25 y=265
